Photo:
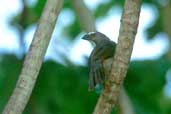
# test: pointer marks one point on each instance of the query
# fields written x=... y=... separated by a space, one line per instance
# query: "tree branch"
x=128 y=30
x=34 y=58
x=86 y=20
x=125 y=104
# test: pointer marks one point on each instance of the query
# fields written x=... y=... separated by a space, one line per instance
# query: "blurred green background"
x=62 y=85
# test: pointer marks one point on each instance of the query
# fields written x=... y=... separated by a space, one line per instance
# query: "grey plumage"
x=103 y=50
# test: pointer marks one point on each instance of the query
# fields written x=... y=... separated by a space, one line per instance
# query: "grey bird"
x=101 y=55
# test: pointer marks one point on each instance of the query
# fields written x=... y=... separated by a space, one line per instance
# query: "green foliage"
x=59 y=89
x=9 y=69
x=64 y=89
x=73 y=30
x=30 y=15
x=145 y=82
x=155 y=29
x=102 y=9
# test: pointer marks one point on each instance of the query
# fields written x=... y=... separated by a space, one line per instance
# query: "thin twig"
x=34 y=58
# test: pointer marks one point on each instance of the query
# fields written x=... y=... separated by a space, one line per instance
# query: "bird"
x=100 y=59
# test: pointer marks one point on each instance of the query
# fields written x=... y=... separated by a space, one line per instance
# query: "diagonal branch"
x=34 y=58
x=125 y=104
x=128 y=30
x=85 y=18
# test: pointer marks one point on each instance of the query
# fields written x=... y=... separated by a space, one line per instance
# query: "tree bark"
x=124 y=105
x=34 y=58
x=128 y=30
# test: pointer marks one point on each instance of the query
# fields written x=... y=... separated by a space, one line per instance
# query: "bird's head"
x=96 y=37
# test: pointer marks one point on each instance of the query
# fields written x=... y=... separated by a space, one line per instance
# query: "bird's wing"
x=96 y=73
x=105 y=51
x=100 y=53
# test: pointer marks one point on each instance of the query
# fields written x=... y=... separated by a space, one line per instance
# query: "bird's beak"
x=86 y=37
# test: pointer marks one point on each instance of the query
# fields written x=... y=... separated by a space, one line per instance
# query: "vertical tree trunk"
x=128 y=30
